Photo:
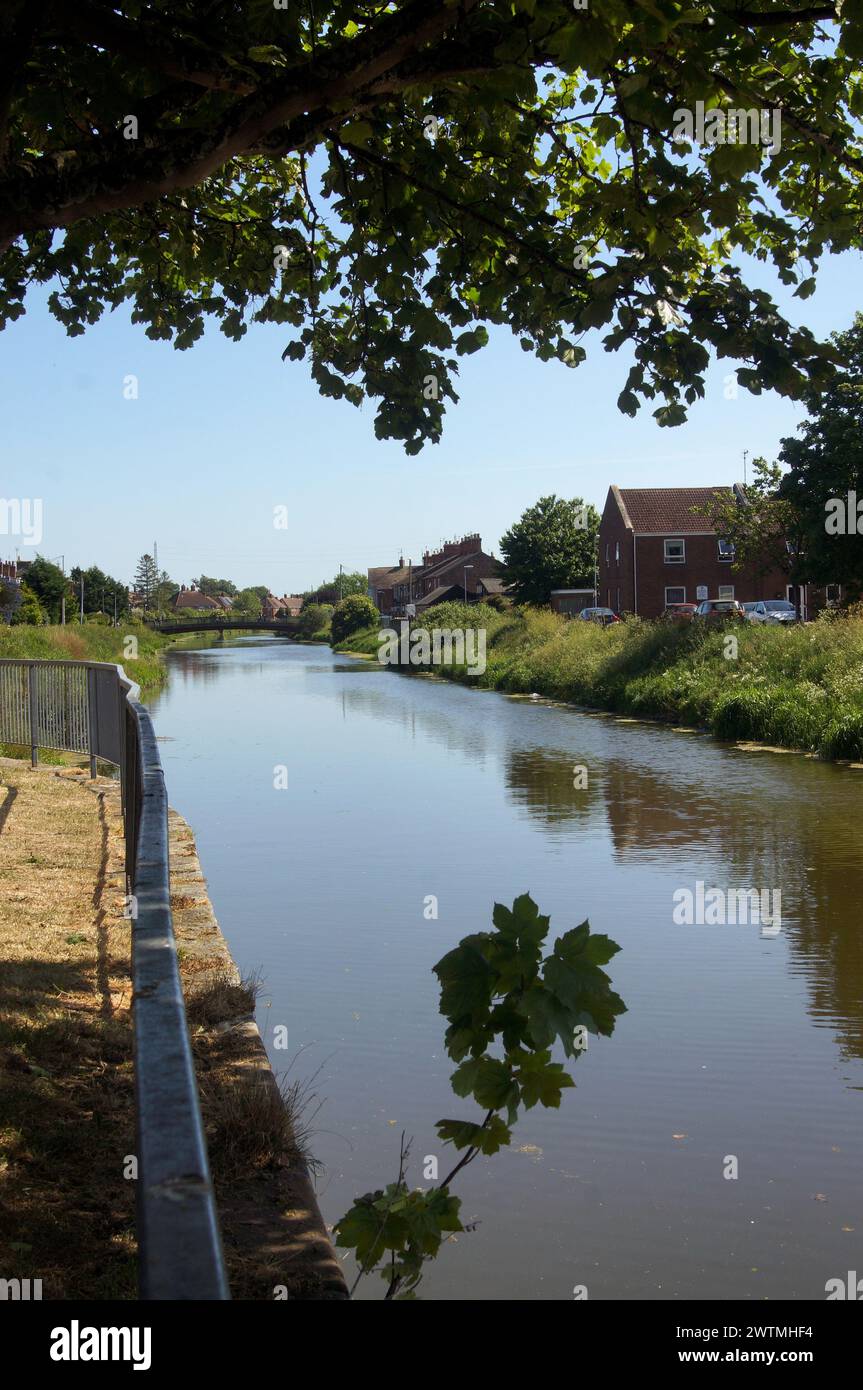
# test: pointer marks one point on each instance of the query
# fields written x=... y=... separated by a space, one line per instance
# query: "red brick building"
x=454 y=571
x=656 y=548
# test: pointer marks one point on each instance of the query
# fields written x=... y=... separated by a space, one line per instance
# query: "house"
x=292 y=604
x=657 y=547
x=453 y=571
x=491 y=586
x=193 y=601
x=272 y=608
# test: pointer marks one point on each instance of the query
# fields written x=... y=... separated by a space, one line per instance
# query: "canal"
x=738 y=1043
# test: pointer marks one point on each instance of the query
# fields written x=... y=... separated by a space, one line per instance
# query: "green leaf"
x=488 y=1080
x=466 y=980
x=542 y=1080
x=488 y=1138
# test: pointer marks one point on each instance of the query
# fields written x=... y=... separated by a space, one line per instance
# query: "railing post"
x=92 y=727
x=33 y=700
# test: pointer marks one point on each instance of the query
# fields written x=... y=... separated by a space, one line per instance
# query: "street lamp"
x=466 y=568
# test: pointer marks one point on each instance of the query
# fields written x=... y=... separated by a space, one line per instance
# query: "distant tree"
x=214 y=587
x=100 y=591
x=247 y=603
x=824 y=481
x=49 y=584
x=29 y=610
x=146 y=579
x=163 y=593
x=552 y=546
x=352 y=614
x=314 y=618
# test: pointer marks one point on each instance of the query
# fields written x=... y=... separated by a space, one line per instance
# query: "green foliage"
x=339 y=587
x=552 y=546
x=765 y=532
x=351 y=614
x=315 y=620
x=826 y=462
x=49 y=584
x=146 y=581
x=549 y=196
x=498 y=992
x=100 y=591
x=247 y=603
x=214 y=587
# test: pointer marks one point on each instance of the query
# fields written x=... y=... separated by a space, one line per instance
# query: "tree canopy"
x=386 y=180
x=49 y=584
x=552 y=546
x=824 y=481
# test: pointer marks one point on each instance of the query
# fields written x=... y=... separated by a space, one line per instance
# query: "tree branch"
x=348 y=66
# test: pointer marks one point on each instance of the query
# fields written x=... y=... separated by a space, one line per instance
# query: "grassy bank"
x=799 y=687
x=90 y=642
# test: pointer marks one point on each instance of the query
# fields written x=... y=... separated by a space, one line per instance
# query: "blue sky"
x=225 y=432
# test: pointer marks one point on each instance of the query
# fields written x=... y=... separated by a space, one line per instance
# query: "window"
x=677 y=595
x=726 y=591
x=617 y=551
x=606 y=554
x=675 y=552
x=726 y=550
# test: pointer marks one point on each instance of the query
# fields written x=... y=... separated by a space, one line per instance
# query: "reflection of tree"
x=543 y=781
x=770 y=822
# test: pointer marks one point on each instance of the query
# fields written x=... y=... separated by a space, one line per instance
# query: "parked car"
x=771 y=610
x=721 y=610
x=680 y=612
x=599 y=615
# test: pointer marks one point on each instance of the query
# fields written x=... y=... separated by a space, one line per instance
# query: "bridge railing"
x=92 y=707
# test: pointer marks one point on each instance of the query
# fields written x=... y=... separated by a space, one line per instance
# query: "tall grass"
x=90 y=642
x=798 y=687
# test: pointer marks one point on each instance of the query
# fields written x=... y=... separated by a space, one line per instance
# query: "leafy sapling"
x=506 y=1005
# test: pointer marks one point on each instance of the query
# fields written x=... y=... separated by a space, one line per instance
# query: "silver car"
x=771 y=610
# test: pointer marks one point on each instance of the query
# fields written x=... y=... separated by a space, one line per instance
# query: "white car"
x=771 y=610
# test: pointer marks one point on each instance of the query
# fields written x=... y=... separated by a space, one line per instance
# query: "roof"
x=193 y=598
x=436 y=595
x=379 y=578
x=654 y=511
x=454 y=562
x=492 y=585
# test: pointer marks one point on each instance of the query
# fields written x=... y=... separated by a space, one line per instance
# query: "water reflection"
x=743 y=820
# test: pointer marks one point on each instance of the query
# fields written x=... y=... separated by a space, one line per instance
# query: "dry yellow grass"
x=66 y=1081
x=66 y=1119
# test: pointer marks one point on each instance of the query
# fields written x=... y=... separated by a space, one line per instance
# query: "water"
x=735 y=1044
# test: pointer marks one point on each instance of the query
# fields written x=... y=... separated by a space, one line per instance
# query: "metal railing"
x=92 y=707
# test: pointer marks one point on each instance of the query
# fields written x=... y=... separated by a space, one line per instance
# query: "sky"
x=224 y=433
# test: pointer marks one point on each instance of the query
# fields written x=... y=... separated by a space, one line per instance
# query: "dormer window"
x=674 y=552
